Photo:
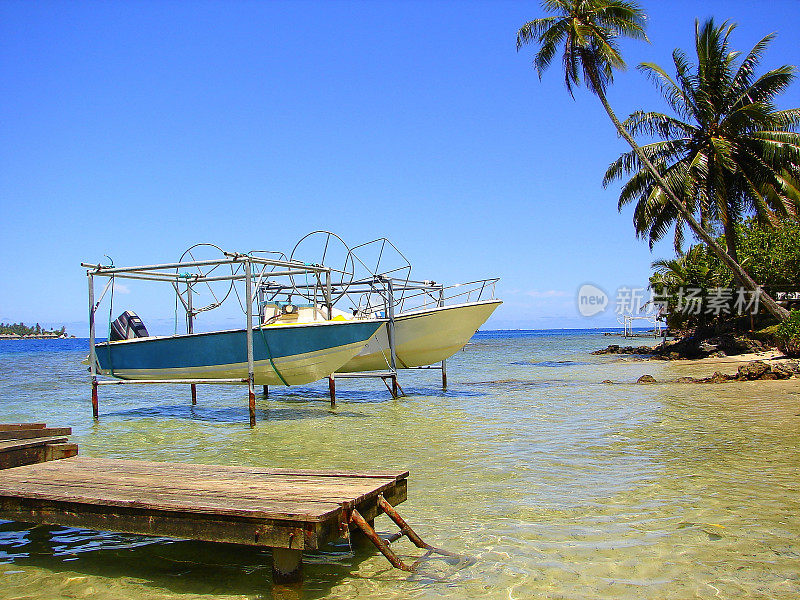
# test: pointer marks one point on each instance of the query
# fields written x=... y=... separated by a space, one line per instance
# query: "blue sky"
x=136 y=129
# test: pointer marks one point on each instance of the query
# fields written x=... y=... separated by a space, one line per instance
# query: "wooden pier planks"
x=284 y=508
x=28 y=443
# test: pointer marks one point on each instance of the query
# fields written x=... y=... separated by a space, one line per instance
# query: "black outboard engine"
x=128 y=326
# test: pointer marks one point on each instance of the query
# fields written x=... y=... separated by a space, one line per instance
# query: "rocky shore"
x=754 y=370
x=693 y=347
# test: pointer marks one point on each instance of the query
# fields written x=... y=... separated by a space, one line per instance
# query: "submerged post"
x=287 y=565
x=92 y=351
x=250 y=364
x=332 y=389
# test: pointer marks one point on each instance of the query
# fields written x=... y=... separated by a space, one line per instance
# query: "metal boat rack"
x=374 y=278
x=184 y=276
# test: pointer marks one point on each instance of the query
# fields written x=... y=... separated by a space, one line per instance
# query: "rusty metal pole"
x=444 y=362
x=361 y=523
x=332 y=389
x=95 y=400
x=92 y=350
x=190 y=329
x=405 y=528
x=251 y=391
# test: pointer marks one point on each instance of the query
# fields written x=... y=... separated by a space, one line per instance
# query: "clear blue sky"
x=136 y=129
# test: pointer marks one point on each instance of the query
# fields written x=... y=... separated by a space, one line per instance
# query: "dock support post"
x=92 y=350
x=251 y=389
x=266 y=391
x=444 y=363
x=287 y=565
x=190 y=329
x=95 y=401
x=332 y=389
x=251 y=394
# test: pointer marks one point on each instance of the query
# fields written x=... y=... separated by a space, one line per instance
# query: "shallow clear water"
x=557 y=485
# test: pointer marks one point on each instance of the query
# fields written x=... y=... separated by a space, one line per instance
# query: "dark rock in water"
x=718 y=354
x=718 y=377
x=617 y=349
x=646 y=379
x=783 y=370
x=686 y=380
x=607 y=381
x=753 y=370
x=768 y=376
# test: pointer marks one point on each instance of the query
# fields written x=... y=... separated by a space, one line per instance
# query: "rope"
x=269 y=356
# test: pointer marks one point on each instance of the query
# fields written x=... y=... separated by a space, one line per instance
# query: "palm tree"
x=727 y=153
x=589 y=31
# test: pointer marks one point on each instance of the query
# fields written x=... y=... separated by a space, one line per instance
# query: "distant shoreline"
x=55 y=336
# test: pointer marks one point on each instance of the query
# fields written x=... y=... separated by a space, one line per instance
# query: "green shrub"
x=788 y=335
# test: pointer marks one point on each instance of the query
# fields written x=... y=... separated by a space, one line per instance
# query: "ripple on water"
x=555 y=487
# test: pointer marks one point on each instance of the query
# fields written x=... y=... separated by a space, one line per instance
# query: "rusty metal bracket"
x=380 y=543
x=405 y=530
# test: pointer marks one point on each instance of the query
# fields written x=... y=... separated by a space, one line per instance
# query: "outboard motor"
x=128 y=326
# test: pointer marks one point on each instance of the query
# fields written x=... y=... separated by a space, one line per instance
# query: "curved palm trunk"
x=738 y=272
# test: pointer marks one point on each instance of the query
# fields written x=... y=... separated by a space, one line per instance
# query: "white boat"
x=422 y=337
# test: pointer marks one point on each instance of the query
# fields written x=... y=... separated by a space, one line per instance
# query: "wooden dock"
x=288 y=510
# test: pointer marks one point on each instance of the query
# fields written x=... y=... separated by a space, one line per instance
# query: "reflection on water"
x=557 y=485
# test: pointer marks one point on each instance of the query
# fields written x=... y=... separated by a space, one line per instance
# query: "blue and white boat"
x=288 y=354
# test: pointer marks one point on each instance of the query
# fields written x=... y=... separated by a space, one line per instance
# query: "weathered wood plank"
x=220 y=504
x=59 y=451
x=286 y=508
x=17 y=457
x=211 y=528
x=129 y=466
x=35 y=432
x=12 y=426
x=19 y=444
x=309 y=491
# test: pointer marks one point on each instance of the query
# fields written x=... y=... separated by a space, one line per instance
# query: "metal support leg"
x=287 y=565
x=194 y=394
x=95 y=400
x=252 y=397
x=361 y=523
x=332 y=389
x=444 y=374
x=394 y=385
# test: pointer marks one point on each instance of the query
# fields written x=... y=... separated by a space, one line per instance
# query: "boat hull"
x=423 y=337
x=283 y=354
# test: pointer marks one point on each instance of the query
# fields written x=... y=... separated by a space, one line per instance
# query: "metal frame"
x=392 y=294
x=242 y=267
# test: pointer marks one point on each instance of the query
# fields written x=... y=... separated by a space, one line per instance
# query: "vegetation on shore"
x=20 y=329
x=726 y=154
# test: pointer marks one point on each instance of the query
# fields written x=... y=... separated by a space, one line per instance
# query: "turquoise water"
x=557 y=485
